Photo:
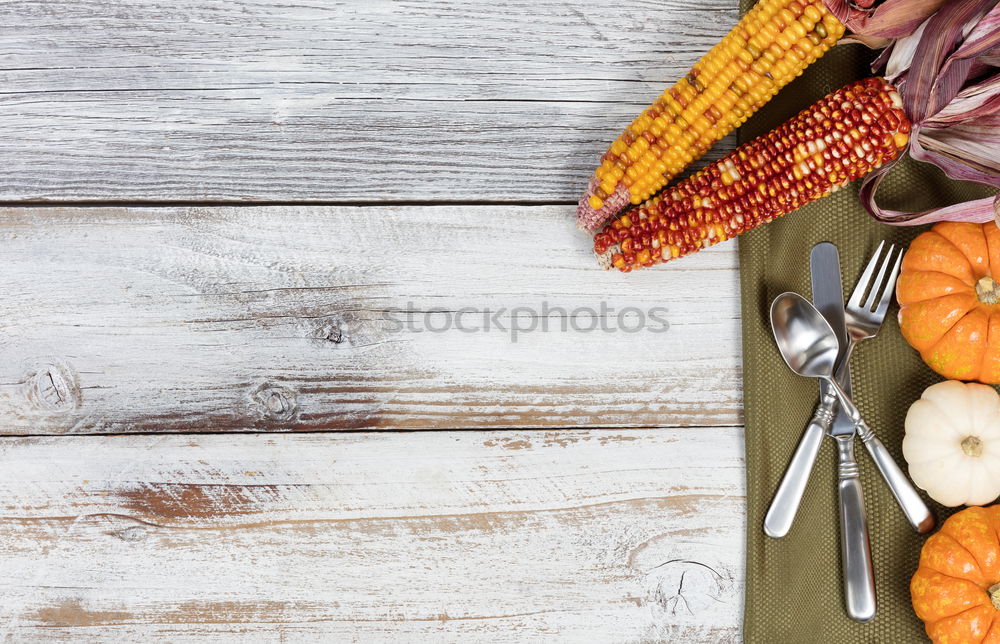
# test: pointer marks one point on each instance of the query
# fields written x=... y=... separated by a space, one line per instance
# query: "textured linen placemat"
x=793 y=585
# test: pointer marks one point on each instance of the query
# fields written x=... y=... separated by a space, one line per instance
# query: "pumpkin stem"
x=988 y=290
x=972 y=446
x=994 y=592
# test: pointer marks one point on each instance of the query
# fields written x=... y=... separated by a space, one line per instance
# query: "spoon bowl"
x=804 y=337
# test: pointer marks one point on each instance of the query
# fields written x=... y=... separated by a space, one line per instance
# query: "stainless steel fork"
x=864 y=317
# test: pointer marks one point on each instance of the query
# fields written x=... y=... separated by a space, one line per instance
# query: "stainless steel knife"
x=855 y=548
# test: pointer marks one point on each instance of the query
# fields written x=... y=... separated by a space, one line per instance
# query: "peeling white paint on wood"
x=443 y=100
x=577 y=535
x=281 y=318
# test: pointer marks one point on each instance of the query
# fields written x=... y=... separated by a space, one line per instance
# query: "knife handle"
x=916 y=511
x=855 y=548
x=785 y=503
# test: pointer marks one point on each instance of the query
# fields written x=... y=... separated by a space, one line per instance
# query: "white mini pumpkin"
x=952 y=443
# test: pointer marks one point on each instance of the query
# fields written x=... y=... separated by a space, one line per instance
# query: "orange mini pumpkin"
x=948 y=300
x=955 y=590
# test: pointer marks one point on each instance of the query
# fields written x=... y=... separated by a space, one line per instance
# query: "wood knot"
x=682 y=587
x=275 y=402
x=53 y=387
x=348 y=328
x=120 y=526
x=133 y=534
x=330 y=331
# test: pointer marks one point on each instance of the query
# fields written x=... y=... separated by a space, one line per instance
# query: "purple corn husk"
x=945 y=65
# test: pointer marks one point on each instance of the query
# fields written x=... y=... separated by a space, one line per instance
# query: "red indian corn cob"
x=841 y=138
x=773 y=43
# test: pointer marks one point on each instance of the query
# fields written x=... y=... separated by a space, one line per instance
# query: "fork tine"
x=876 y=284
x=890 y=288
x=865 y=279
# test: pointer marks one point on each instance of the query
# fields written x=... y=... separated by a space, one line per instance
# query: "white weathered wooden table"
x=216 y=214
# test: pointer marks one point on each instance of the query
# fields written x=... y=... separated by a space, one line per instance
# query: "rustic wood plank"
x=603 y=536
x=330 y=100
x=276 y=318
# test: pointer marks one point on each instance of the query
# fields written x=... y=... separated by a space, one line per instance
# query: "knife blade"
x=855 y=547
x=828 y=297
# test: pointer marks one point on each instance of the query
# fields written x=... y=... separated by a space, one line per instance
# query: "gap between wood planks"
x=512 y=428
x=180 y=203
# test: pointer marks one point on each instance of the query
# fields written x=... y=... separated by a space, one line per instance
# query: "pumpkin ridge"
x=973 y=229
x=932 y=458
x=971 y=556
x=981 y=368
x=905 y=326
x=993 y=247
x=986 y=631
x=984 y=601
x=960 y=252
x=971 y=608
x=944 y=336
x=982 y=568
x=988 y=372
x=932 y=297
x=994 y=522
x=944 y=413
x=993 y=623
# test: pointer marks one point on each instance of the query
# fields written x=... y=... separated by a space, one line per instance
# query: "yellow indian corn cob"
x=773 y=43
x=843 y=137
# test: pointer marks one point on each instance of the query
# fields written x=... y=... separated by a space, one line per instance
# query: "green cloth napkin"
x=793 y=585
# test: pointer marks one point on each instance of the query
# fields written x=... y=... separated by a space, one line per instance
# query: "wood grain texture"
x=570 y=536
x=446 y=100
x=287 y=318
